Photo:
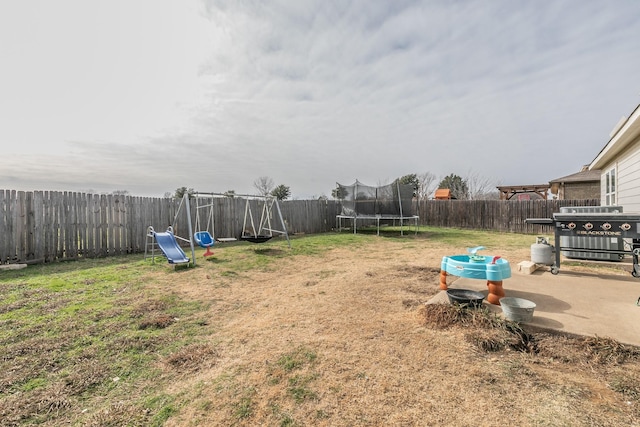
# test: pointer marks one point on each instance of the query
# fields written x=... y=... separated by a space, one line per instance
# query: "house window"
x=610 y=187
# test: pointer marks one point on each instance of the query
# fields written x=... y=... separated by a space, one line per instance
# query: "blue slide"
x=170 y=248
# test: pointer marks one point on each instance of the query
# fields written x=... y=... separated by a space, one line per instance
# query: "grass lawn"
x=332 y=331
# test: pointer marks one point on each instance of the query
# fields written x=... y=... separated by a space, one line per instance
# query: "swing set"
x=264 y=231
x=203 y=234
x=253 y=231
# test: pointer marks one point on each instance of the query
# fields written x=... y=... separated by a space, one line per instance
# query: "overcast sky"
x=151 y=95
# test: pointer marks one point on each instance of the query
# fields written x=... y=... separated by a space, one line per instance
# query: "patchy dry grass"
x=192 y=358
x=333 y=332
x=77 y=339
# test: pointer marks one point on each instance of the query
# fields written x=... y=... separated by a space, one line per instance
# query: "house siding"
x=627 y=179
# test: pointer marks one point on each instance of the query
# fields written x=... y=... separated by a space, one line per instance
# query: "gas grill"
x=596 y=226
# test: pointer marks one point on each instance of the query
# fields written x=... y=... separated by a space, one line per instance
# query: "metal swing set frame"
x=257 y=234
x=253 y=231
x=168 y=242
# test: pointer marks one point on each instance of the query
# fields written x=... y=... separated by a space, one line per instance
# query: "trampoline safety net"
x=392 y=200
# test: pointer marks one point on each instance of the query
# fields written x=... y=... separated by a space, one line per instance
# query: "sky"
x=147 y=96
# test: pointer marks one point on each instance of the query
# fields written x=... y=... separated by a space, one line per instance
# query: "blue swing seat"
x=204 y=239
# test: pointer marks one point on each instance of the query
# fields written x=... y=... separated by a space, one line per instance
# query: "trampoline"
x=369 y=204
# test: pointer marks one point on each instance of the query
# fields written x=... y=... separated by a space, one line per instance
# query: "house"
x=582 y=185
x=619 y=165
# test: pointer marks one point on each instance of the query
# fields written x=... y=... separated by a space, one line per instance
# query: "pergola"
x=508 y=191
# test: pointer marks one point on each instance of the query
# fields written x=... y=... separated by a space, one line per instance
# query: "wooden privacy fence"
x=45 y=226
x=497 y=215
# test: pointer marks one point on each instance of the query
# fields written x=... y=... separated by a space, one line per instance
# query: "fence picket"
x=38 y=226
x=4 y=233
x=21 y=231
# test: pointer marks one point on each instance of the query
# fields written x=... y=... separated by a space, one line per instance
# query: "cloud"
x=215 y=93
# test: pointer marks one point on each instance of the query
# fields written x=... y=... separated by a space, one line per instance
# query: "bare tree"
x=427 y=185
x=481 y=187
x=264 y=185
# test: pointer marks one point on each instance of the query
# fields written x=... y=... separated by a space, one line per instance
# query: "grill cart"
x=594 y=226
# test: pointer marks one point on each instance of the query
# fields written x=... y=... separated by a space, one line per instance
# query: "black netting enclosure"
x=368 y=204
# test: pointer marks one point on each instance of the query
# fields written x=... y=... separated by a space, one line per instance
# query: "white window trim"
x=610 y=187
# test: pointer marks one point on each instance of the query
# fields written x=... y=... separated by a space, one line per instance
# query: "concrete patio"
x=575 y=302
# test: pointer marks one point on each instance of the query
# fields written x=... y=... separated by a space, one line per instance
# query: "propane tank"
x=542 y=252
